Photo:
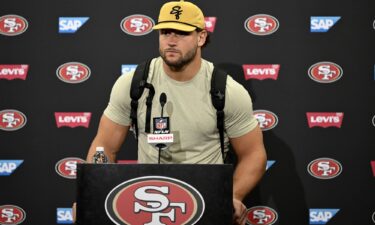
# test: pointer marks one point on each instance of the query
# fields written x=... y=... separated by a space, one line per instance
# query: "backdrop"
x=308 y=65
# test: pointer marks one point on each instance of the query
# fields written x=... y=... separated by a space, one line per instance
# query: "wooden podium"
x=154 y=194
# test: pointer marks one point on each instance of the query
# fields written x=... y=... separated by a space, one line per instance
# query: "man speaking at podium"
x=184 y=78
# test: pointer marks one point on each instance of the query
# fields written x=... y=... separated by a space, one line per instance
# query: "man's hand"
x=239 y=214
x=74 y=209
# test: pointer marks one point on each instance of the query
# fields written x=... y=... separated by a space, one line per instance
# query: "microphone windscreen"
x=163 y=98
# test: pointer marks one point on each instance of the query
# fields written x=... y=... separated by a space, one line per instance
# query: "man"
x=185 y=77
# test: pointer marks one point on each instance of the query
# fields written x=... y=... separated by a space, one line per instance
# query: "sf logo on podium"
x=154 y=200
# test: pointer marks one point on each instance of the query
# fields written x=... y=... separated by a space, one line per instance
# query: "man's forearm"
x=249 y=170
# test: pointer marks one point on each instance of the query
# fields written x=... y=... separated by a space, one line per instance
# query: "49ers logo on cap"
x=154 y=200
x=12 y=25
x=11 y=120
x=324 y=168
x=261 y=215
x=325 y=72
x=68 y=167
x=137 y=25
x=73 y=72
x=267 y=120
x=11 y=214
x=261 y=24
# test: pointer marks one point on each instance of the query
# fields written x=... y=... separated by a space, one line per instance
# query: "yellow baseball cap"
x=181 y=15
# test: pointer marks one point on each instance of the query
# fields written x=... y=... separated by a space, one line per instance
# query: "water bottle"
x=99 y=156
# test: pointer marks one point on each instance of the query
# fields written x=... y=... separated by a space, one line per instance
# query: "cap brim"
x=175 y=26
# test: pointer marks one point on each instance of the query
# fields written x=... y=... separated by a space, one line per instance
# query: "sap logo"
x=321 y=216
x=127 y=68
x=7 y=167
x=64 y=216
x=322 y=24
x=71 y=24
x=269 y=164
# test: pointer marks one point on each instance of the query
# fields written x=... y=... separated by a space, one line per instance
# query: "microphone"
x=161 y=138
x=163 y=100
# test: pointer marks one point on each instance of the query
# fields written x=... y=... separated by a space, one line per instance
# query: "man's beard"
x=181 y=62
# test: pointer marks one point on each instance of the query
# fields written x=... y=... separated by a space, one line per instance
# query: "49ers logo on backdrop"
x=11 y=120
x=261 y=24
x=67 y=167
x=73 y=72
x=11 y=72
x=261 y=215
x=325 y=72
x=73 y=119
x=12 y=25
x=325 y=119
x=11 y=214
x=324 y=168
x=137 y=25
x=154 y=200
x=267 y=119
x=261 y=72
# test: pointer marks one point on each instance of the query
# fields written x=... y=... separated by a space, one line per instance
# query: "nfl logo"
x=161 y=124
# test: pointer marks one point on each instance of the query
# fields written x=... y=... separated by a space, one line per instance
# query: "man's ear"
x=202 y=35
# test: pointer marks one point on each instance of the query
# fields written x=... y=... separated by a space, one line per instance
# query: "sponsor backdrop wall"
x=308 y=65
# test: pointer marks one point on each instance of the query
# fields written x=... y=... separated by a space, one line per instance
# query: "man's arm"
x=251 y=166
x=111 y=136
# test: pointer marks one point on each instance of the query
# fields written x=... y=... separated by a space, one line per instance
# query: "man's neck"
x=186 y=73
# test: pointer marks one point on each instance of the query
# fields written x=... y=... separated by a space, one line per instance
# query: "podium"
x=154 y=194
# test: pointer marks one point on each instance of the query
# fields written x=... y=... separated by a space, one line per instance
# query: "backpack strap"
x=218 y=85
x=139 y=83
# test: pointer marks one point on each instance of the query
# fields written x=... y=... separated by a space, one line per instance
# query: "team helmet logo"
x=154 y=200
x=324 y=168
x=11 y=214
x=11 y=120
x=137 y=25
x=261 y=215
x=12 y=25
x=325 y=72
x=67 y=167
x=261 y=24
x=267 y=120
x=73 y=72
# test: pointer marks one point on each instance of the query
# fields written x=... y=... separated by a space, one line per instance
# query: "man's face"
x=178 y=48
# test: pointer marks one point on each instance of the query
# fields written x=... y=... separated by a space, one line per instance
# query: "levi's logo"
x=11 y=72
x=154 y=200
x=73 y=119
x=373 y=167
x=325 y=119
x=210 y=23
x=261 y=72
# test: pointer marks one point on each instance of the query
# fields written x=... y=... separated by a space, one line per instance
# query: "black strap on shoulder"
x=139 y=83
x=218 y=84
